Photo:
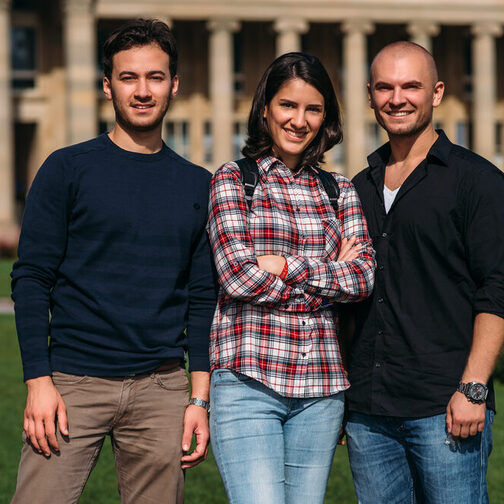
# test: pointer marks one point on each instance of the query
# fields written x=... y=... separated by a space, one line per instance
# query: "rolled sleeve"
x=484 y=238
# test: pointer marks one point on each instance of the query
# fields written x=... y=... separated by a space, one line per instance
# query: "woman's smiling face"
x=294 y=116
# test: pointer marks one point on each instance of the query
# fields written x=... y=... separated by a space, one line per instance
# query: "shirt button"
x=384 y=235
x=377 y=364
x=304 y=354
x=380 y=300
x=303 y=323
x=298 y=209
x=381 y=267
x=380 y=333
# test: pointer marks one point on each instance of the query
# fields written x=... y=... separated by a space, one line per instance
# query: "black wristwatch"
x=475 y=392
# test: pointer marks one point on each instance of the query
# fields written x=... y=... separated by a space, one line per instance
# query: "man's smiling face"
x=140 y=87
x=403 y=91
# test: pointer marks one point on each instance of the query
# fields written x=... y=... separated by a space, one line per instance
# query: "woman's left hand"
x=349 y=250
x=271 y=263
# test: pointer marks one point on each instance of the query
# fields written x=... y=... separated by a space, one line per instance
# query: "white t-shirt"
x=389 y=196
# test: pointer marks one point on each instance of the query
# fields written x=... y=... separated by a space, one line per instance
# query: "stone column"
x=6 y=123
x=422 y=32
x=289 y=34
x=80 y=61
x=355 y=94
x=198 y=108
x=221 y=87
x=484 y=87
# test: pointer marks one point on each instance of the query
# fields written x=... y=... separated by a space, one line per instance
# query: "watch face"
x=477 y=391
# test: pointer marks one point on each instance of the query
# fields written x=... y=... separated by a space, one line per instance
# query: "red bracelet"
x=285 y=271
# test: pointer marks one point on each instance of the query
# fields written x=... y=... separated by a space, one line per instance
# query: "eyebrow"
x=408 y=83
x=286 y=100
x=152 y=72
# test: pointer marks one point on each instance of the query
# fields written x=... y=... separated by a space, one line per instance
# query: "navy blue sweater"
x=113 y=245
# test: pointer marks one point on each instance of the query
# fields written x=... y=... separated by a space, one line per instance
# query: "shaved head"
x=404 y=89
x=405 y=49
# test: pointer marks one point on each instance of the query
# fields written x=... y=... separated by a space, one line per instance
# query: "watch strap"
x=196 y=401
x=465 y=388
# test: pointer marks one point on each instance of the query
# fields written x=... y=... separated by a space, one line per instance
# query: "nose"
x=142 y=91
x=397 y=97
x=298 y=119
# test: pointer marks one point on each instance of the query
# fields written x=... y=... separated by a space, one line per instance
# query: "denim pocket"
x=226 y=377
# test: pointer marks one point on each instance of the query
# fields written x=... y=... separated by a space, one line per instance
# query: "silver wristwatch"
x=200 y=402
x=475 y=392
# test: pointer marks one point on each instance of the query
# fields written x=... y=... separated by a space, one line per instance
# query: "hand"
x=341 y=438
x=273 y=264
x=349 y=250
x=195 y=421
x=44 y=405
x=463 y=418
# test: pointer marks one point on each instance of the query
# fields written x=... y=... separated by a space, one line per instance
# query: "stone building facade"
x=50 y=77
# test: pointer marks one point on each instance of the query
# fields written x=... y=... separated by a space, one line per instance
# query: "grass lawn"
x=5 y=269
x=203 y=485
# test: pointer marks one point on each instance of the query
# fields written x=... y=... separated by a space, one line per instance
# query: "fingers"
x=341 y=438
x=62 y=418
x=39 y=434
x=50 y=436
x=449 y=422
x=196 y=421
x=187 y=437
x=29 y=428
x=44 y=406
x=464 y=419
x=349 y=249
x=198 y=455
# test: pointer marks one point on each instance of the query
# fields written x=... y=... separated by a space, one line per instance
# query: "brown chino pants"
x=143 y=415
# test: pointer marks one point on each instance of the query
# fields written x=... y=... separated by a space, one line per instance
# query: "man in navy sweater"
x=113 y=246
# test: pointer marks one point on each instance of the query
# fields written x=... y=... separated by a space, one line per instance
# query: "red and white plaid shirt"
x=282 y=332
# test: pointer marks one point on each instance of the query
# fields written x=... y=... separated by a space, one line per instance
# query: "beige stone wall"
x=66 y=104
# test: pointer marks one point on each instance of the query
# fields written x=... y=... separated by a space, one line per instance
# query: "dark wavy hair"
x=140 y=32
x=294 y=65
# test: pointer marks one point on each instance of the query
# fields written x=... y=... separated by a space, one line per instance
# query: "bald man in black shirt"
x=421 y=402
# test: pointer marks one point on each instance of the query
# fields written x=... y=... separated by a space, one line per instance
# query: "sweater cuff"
x=36 y=370
x=199 y=362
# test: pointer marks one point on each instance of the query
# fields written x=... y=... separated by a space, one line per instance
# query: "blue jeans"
x=271 y=449
x=414 y=460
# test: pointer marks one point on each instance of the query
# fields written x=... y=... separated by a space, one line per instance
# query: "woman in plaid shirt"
x=277 y=384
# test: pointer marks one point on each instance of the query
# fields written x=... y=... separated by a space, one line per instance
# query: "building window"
x=239 y=135
x=463 y=134
x=238 y=72
x=373 y=138
x=21 y=5
x=337 y=157
x=23 y=56
x=177 y=137
x=499 y=145
x=207 y=143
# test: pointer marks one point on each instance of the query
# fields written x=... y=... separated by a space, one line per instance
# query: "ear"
x=174 y=86
x=265 y=111
x=107 y=88
x=369 y=96
x=437 y=96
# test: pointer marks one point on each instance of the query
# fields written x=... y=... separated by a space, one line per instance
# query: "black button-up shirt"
x=440 y=256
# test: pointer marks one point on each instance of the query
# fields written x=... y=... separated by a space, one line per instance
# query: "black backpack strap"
x=249 y=173
x=331 y=187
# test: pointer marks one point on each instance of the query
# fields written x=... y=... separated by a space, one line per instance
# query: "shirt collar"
x=440 y=150
x=265 y=163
